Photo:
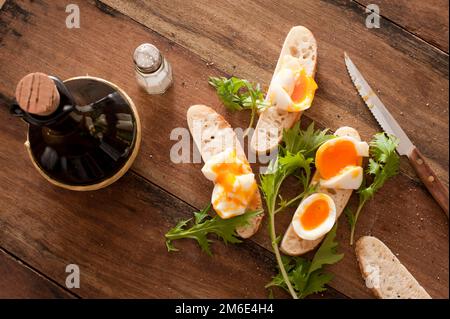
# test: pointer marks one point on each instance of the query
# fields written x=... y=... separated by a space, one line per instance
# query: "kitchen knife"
x=437 y=189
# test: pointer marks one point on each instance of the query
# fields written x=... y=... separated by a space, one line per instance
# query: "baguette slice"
x=212 y=134
x=384 y=273
x=292 y=244
x=300 y=43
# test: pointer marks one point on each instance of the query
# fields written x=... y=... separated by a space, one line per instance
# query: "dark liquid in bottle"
x=93 y=142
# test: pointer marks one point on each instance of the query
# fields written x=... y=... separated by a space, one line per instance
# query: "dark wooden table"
x=115 y=235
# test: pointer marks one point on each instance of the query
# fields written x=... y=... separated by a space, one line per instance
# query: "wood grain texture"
x=19 y=281
x=410 y=76
x=116 y=237
x=424 y=243
x=426 y=19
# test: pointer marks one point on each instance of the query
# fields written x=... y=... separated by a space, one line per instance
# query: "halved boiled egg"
x=292 y=90
x=235 y=184
x=339 y=161
x=314 y=217
x=349 y=178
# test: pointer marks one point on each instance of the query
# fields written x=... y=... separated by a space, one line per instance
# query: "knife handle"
x=437 y=189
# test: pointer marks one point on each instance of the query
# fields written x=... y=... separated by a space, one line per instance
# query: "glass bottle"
x=87 y=139
x=153 y=71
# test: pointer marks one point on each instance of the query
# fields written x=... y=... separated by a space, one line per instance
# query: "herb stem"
x=252 y=119
x=358 y=211
x=274 y=242
x=290 y=202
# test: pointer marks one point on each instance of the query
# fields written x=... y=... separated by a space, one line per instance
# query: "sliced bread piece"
x=212 y=135
x=384 y=273
x=301 y=44
x=292 y=244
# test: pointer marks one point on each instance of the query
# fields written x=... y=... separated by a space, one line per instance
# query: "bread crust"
x=300 y=43
x=388 y=278
x=293 y=245
x=213 y=136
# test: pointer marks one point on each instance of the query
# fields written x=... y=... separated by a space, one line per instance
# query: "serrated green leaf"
x=326 y=254
x=305 y=141
x=239 y=94
x=170 y=246
x=296 y=157
x=373 y=168
x=308 y=277
x=350 y=216
x=201 y=215
x=203 y=226
x=383 y=165
x=316 y=283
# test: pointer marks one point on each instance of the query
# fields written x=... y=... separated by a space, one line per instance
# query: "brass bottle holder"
x=85 y=90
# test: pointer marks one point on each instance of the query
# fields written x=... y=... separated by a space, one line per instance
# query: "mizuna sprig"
x=384 y=163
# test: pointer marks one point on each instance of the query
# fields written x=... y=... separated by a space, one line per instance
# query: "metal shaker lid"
x=147 y=58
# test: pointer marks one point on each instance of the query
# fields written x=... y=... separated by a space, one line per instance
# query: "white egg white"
x=350 y=177
x=286 y=79
x=221 y=199
x=235 y=202
x=283 y=85
x=244 y=182
x=320 y=230
x=279 y=98
x=225 y=208
x=227 y=156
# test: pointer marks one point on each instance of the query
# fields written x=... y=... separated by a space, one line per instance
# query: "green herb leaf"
x=317 y=283
x=239 y=94
x=327 y=252
x=295 y=158
x=305 y=141
x=309 y=277
x=201 y=215
x=350 y=216
x=383 y=164
x=228 y=91
x=202 y=226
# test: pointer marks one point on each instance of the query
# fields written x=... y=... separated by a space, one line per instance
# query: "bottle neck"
x=61 y=120
x=67 y=124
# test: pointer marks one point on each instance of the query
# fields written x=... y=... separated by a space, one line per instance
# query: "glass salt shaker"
x=153 y=71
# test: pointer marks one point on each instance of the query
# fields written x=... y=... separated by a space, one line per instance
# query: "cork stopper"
x=36 y=93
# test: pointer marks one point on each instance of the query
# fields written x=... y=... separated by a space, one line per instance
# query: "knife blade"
x=388 y=123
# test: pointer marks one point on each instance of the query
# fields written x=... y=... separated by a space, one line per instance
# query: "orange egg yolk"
x=226 y=176
x=335 y=157
x=305 y=85
x=315 y=214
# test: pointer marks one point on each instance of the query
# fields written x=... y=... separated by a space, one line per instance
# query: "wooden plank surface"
x=410 y=76
x=19 y=281
x=115 y=236
x=426 y=19
x=423 y=240
x=219 y=38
